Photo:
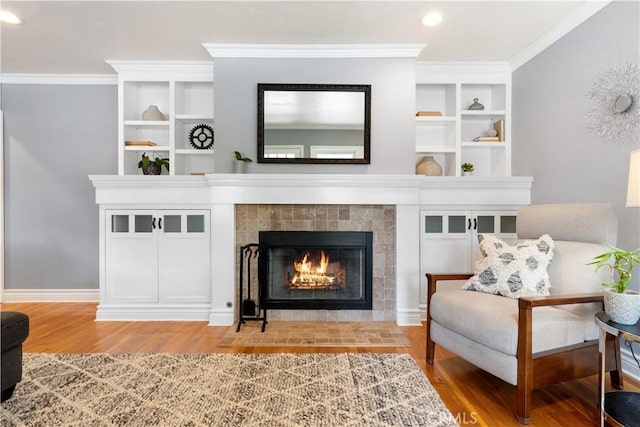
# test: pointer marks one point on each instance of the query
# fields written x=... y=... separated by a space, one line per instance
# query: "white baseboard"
x=409 y=317
x=50 y=295
x=221 y=318
x=153 y=312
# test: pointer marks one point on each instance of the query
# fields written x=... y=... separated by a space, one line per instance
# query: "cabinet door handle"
x=153 y=223
x=475 y=223
x=159 y=223
x=468 y=223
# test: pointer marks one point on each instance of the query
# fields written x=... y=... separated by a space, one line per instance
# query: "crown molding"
x=163 y=70
x=224 y=50
x=59 y=79
x=588 y=9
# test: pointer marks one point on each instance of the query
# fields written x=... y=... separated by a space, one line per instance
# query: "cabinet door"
x=184 y=255
x=131 y=257
x=445 y=246
x=501 y=224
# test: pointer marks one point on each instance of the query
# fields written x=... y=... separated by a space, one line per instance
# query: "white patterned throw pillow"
x=512 y=271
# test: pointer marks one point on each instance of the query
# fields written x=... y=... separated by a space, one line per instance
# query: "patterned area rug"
x=278 y=390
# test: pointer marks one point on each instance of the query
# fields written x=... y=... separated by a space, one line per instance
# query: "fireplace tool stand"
x=249 y=310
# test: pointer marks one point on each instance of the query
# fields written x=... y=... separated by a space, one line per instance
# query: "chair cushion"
x=512 y=271
x=493 y=321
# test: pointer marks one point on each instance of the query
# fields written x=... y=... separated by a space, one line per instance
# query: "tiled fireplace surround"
x=380 y=219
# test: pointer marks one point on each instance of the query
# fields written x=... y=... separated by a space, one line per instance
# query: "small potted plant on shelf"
x=467 y=169
x=240 y=162
x=620 y=304
x=152 y=167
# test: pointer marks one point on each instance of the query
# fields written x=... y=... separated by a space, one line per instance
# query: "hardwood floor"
x=473 y=396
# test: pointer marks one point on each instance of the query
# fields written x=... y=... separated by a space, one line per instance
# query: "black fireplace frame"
x=305 y=239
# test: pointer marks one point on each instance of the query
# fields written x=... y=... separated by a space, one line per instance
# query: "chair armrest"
x=529 y=302
x=432 y=280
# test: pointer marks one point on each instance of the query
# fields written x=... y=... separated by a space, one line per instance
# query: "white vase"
x=622 y=308
x=239 y=166
x=153 y=113
x=429 y=167
x=467 y=173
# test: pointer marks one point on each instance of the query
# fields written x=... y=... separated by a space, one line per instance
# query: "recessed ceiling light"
x=9 y=17
x=432 y=18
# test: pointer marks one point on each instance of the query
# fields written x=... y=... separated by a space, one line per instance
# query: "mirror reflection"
x=313 y=123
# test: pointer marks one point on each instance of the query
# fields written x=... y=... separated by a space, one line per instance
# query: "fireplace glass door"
x=316 y=270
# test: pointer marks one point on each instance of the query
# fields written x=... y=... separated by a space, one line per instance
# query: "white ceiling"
x=76 y=37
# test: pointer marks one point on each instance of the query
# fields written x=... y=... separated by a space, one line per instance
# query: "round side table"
x=621 y=407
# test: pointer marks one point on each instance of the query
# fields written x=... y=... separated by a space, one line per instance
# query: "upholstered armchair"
x=533 y=341
x=14 y=329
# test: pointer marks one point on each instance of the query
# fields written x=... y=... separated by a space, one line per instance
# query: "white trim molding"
x=163 y=70
x=50 y=295
x=587 y=9
x=235 y=50
x=59 y=79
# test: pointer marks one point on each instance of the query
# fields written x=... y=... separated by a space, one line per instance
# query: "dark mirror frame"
x=366 y=89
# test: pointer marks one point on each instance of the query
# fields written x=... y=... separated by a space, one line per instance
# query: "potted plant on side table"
x=152 y=167
x=620 y=304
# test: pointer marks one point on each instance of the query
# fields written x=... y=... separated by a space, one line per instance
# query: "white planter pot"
x=622 y=308
x=239 y=166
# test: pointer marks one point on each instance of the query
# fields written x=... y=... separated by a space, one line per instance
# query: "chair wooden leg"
x=431 y=347
x=525 y=362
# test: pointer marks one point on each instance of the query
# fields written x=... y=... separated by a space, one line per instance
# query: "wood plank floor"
x=473 y=396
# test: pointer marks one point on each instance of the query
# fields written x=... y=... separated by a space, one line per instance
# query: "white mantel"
x=221 y=192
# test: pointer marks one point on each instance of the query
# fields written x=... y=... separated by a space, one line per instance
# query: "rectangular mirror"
x=314 y=123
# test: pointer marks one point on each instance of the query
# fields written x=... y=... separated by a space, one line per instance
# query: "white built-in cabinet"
x=157 y=257
x=183 y=91
x=450 y=90
x=449 y=238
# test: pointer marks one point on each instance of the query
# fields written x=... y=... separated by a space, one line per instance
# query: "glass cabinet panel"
x=486 y=224
x=120 y=224
x=457 y=224
x=508 y=224
x=433 y=224
x=143 y=223
x=172 y=223
x=195 y=223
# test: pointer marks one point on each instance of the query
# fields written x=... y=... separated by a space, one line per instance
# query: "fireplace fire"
x=315 y=270
x=316 y=275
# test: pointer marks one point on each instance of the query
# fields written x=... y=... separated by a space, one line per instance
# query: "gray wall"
x=54 y=136
x=550 y=102
x=392 y=108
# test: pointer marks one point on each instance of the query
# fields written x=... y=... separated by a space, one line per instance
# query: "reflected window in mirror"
x=314 y=123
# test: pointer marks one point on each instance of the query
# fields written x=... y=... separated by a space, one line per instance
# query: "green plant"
x=467 y=167
x=160 y=161
x=240 y=158
x=623 y=264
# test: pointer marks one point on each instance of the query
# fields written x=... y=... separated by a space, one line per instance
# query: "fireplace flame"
x=309 y=275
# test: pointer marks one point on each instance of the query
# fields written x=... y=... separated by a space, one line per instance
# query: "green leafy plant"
x=467 y=167
x=621 y=267
x=160 y=161
x=241 y=158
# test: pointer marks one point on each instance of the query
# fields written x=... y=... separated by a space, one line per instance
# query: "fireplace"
x=316 y=270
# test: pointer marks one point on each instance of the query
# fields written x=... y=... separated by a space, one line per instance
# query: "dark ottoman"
x=14 y=329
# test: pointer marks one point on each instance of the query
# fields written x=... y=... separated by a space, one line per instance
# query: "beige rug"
x=318 y=334
x=254 y=390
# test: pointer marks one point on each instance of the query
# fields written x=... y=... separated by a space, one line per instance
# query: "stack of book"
x=428 y=113
x=486 y=139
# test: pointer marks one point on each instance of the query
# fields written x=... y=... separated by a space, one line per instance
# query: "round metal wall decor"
x=615 y=113
x=201 y=137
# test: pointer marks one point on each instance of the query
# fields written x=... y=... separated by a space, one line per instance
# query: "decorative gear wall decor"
x=201 y=137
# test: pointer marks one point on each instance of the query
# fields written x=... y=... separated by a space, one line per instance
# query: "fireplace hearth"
x=316 y=270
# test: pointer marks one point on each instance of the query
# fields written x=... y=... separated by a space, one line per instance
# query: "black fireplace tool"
x=249 y=310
